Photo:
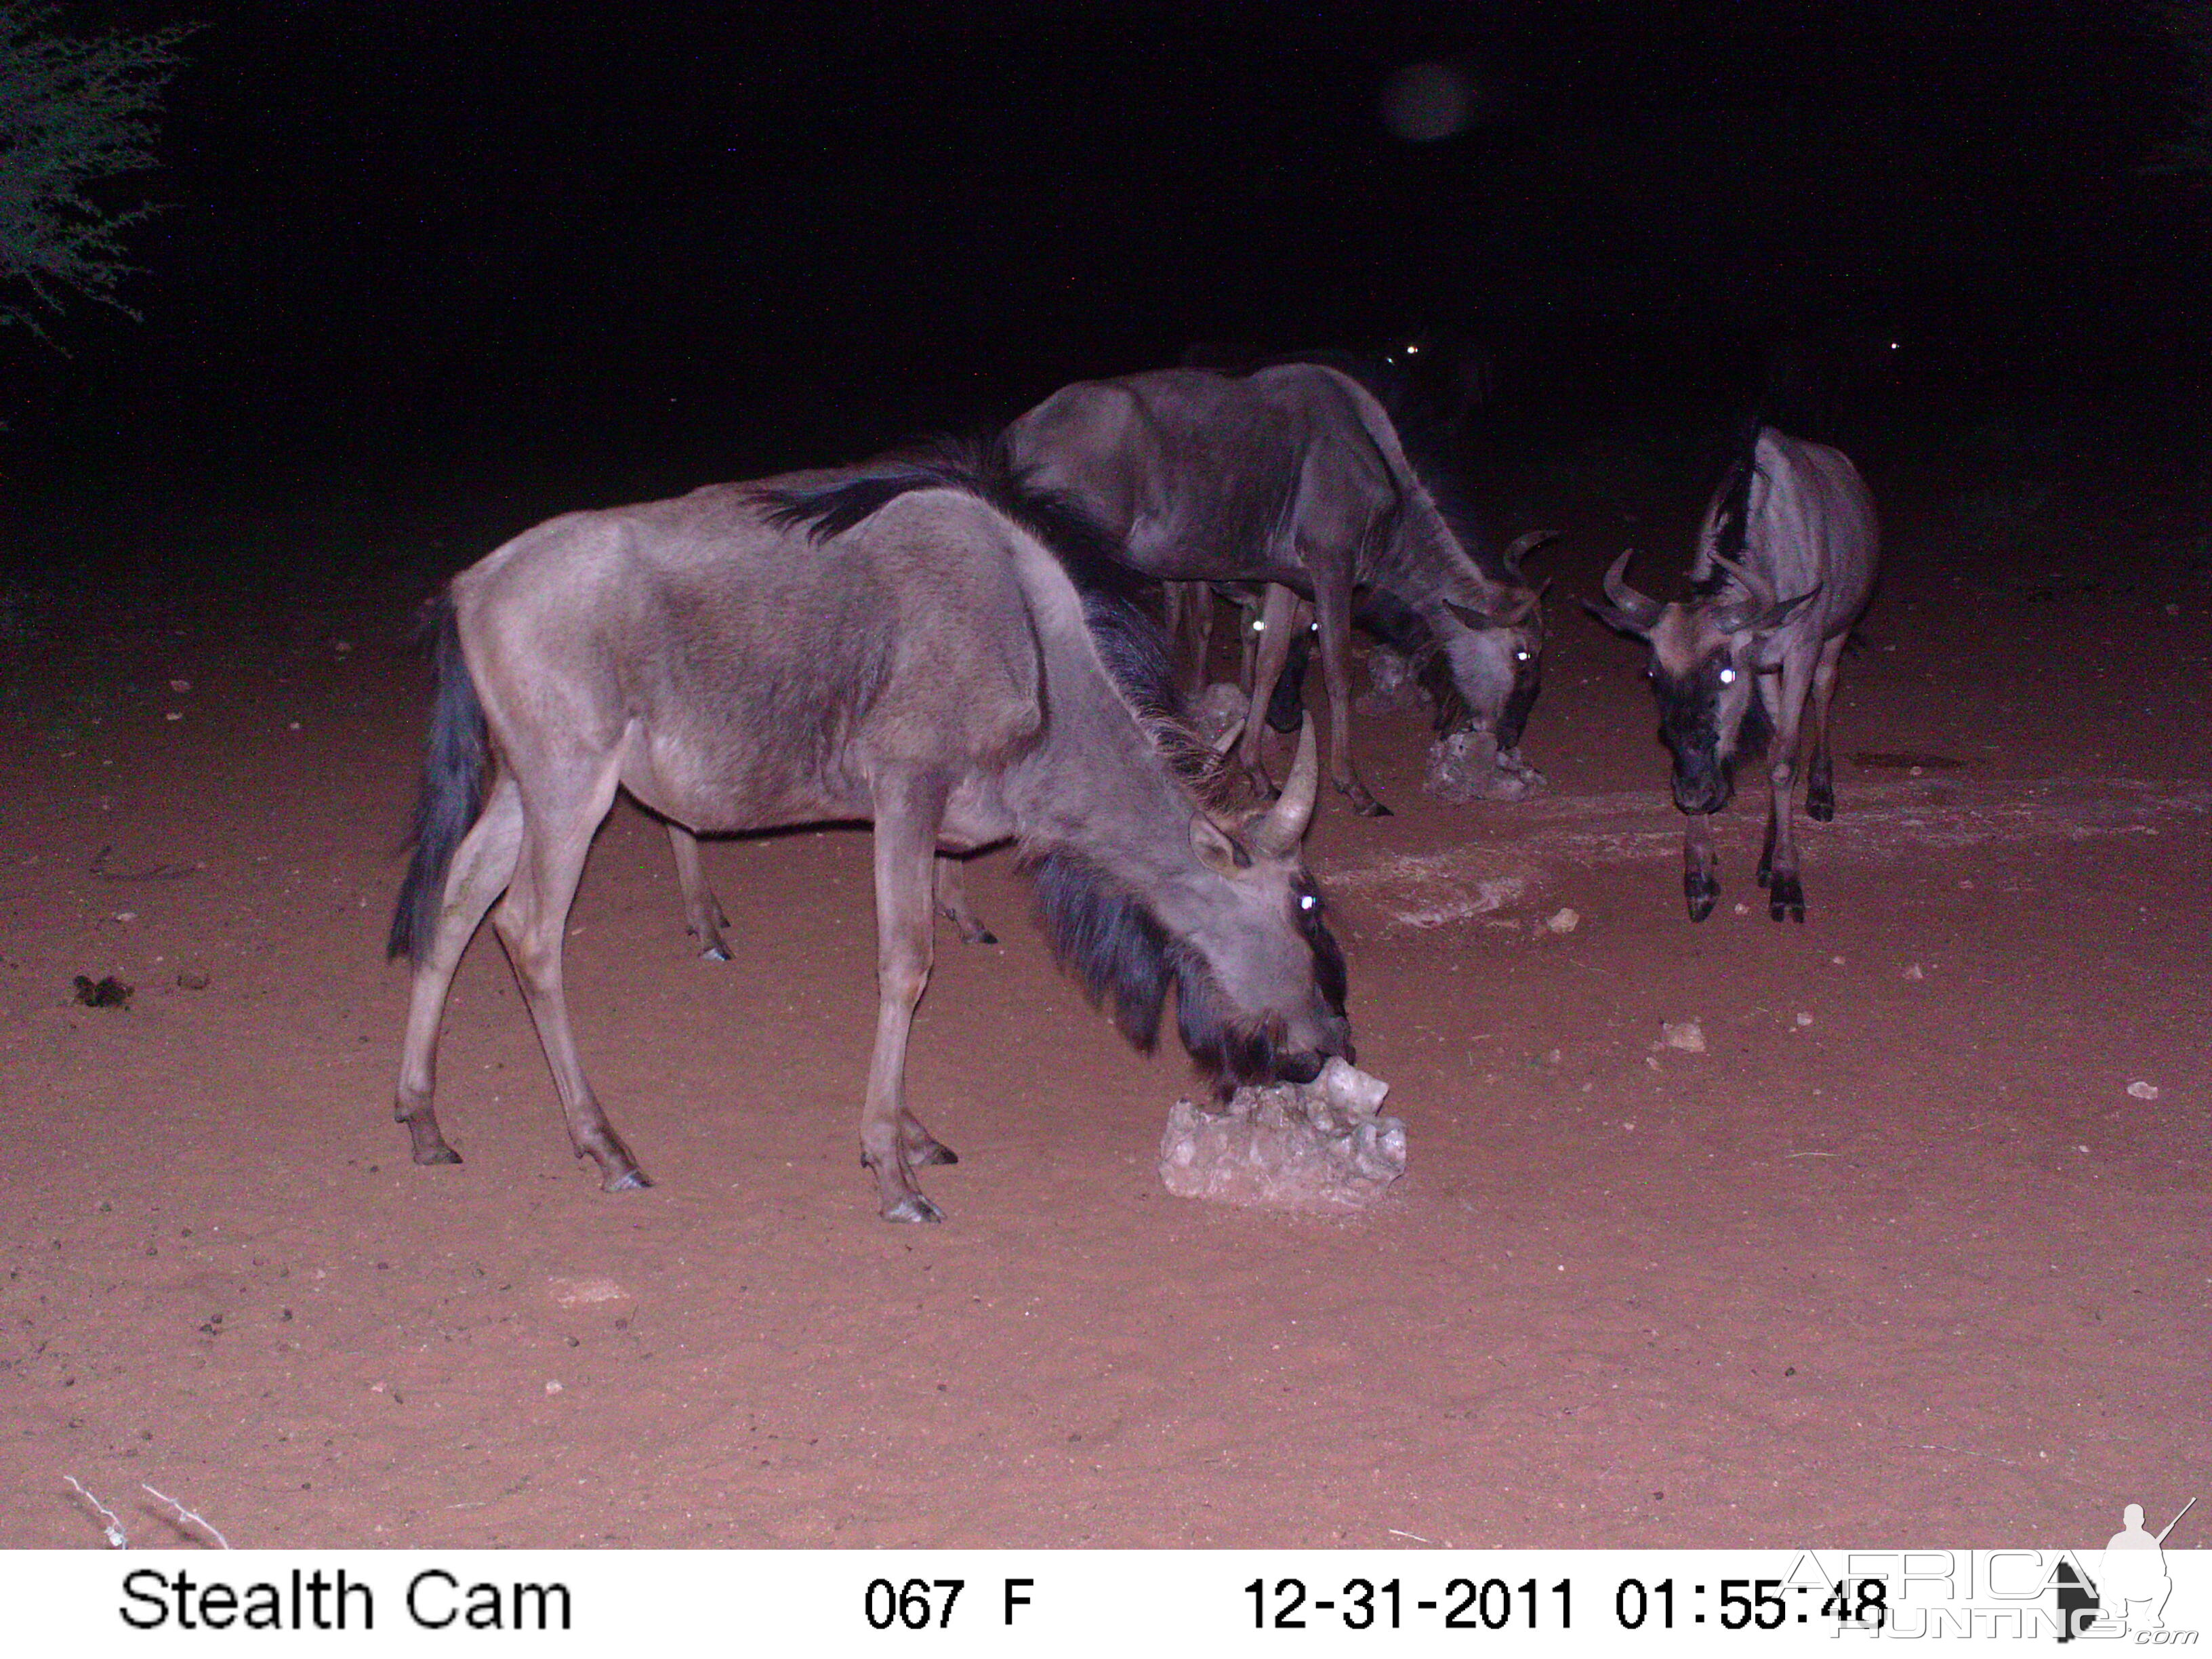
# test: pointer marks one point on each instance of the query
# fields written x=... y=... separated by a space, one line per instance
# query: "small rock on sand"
x=2143 y=1091
x=1686 y=1035
x=586 y=1292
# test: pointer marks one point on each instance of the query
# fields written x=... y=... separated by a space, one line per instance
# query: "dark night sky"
x=549 y=231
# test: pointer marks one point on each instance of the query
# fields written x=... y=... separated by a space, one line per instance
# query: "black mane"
x=1428 y=452
x=1117 y=950
x=1731 y=524
x=1132 y=644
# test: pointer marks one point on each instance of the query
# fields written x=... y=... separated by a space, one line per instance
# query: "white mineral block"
x=1320 y=1146
x=1465 y=766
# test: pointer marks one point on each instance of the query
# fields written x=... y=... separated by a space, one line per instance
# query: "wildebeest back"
x=757 y=674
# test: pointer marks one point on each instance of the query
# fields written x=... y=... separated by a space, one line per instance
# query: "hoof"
x=913 y=1207
x=1821 y=809
x=628 y=1181
x=982 y=936
x=1786 y=896
x=424 y=1144
x=1364 y=803
x=1764 y=875
x=714 y=953
x=936 y=1153
x=1700 y=894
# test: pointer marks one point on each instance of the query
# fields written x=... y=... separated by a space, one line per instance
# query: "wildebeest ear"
x=1507 y=616
x=1780 y=612
x=1216 y=847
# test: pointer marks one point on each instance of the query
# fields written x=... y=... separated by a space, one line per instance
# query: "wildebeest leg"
x=1820 y=790
x=483 y=865
x=1276 y=615
x=908 y=809
x=1190 y=626
x=952 y=899
x=1785 y=701
x=1701 y=867
x=703 y=911
x=1333 y=611
x=559 y=817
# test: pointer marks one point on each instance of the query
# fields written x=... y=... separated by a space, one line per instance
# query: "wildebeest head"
x=1260 y=981
x=1707 y=652
x=1494 y=645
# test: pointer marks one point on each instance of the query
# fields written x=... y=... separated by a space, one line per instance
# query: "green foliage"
x=74 y=113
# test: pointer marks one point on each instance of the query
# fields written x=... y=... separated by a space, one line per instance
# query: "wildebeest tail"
x=453 y=788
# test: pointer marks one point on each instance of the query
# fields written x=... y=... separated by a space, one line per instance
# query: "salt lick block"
x=1466 y=766
x=1322 y=1146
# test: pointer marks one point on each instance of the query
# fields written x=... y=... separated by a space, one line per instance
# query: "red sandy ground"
x=1897 y=1258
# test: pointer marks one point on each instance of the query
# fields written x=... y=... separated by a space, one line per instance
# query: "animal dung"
x=1464 y=767
x=1319 y=1147
x=1686 y=1035
x=108 y=993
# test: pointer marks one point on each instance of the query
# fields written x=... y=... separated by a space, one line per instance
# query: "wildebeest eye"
x=1727 y=676
x=1309 y=901
x=1520 y=656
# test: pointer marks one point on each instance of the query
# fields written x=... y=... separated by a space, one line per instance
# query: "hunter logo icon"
x=2131 y=1585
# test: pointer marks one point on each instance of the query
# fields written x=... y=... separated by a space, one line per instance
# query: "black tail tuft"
x=453 y=789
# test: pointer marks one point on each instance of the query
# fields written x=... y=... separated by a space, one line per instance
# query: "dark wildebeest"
x=1294 y=476
x=1785 y=564
x=905 y=645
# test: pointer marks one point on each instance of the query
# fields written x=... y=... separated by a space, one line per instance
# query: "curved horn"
x=1280 y=831
x=1524 y=545
x=1639 y=608
x=1762 y=595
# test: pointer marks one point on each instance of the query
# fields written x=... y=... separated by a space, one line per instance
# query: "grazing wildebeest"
x=1446 y=378
x=905 y=645
x=1294 y=476
x=1785 y=564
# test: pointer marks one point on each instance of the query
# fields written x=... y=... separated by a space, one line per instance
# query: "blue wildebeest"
x=1447 y=378
x=1785 y=564
x=919 y=645
x=1294 y=476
